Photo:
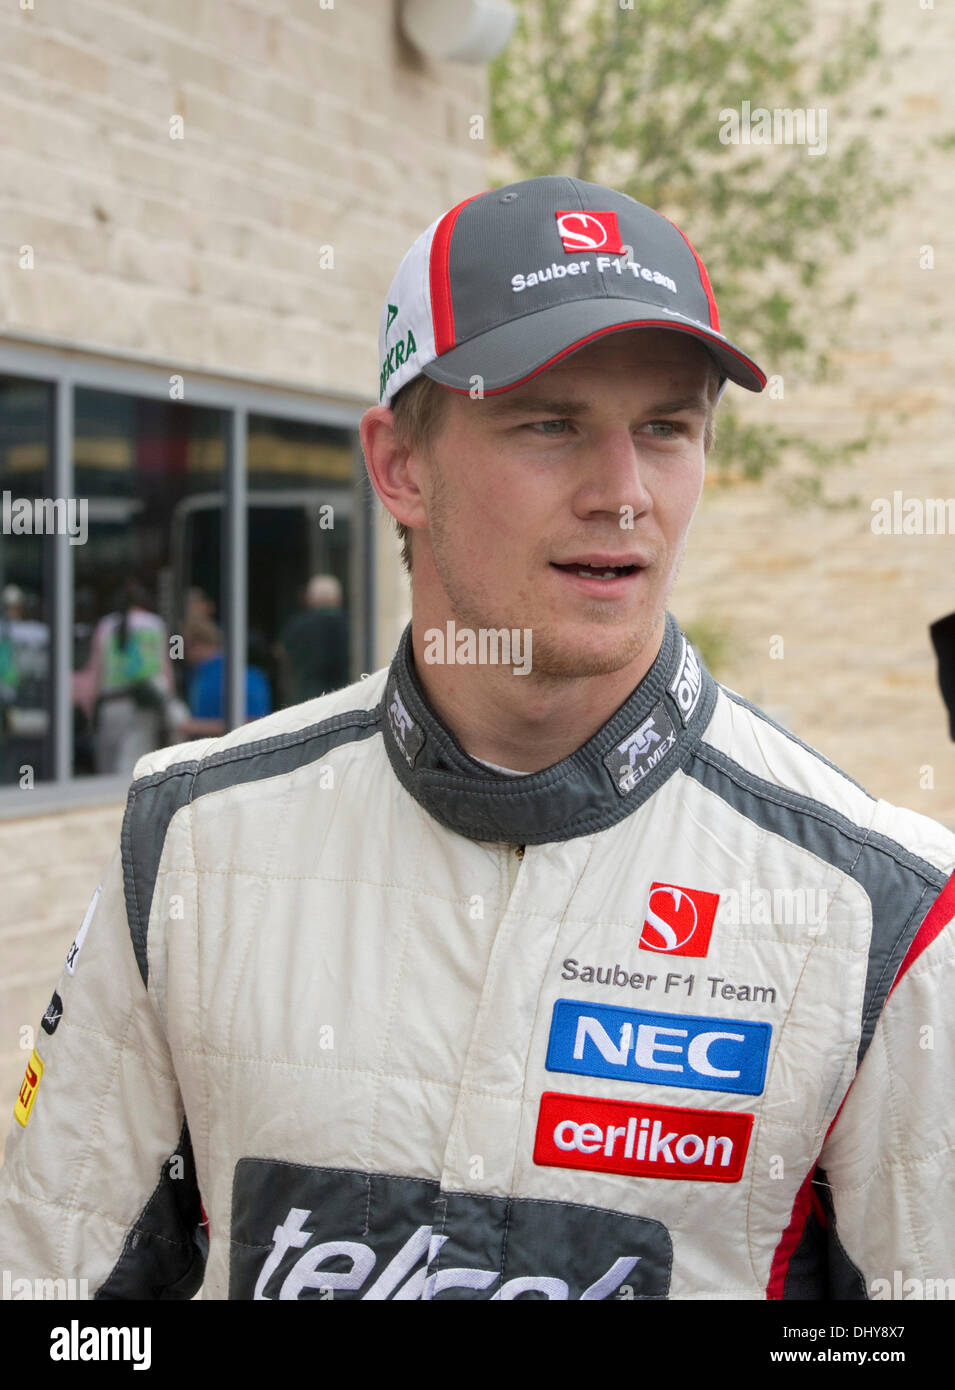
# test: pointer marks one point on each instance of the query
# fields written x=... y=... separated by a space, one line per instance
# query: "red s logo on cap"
x=589 y=231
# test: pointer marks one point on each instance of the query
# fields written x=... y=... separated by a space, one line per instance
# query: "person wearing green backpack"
x=132 y=679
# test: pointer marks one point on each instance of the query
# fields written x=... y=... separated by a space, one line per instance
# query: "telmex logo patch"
x=665 y=1049
x=639 y=753
x=408 y=735
x=641 y=1141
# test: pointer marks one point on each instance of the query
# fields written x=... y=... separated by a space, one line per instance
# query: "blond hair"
x=419 y=411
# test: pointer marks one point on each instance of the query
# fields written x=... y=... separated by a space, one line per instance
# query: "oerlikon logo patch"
x=641 y=1141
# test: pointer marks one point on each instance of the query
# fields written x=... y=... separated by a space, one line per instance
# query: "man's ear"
x=391 y=468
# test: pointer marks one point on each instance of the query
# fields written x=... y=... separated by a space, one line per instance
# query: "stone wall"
x=857 y=677
x=304 y=128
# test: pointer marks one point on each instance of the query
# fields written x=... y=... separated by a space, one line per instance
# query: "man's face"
x=198 y=651
x=602 y=458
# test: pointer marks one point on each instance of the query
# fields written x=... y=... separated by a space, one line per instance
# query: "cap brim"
x=506 y=356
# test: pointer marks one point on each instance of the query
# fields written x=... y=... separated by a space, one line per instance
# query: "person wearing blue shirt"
x=206 y=691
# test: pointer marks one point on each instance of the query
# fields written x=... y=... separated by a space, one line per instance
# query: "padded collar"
x=654 y=732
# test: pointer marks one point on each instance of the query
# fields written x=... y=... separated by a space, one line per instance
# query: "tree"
x=636 y=93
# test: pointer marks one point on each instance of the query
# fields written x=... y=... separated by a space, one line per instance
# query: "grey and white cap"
x=509 y=281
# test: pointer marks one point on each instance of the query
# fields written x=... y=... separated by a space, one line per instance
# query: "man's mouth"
x=598 y=568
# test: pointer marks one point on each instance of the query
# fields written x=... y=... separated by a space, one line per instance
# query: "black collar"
x=653 y=733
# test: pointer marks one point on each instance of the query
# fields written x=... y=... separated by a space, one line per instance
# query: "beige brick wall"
x=49 y=867
x=858 y=677
x=303 y=127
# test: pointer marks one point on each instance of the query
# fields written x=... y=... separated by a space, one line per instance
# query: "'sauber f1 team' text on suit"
x=352 y=1013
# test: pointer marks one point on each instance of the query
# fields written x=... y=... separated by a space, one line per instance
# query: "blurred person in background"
x=24 y=687
x=83 y=699
x=199 y=608
x=199 y=605
x=313 y=643
x=206 y=683
x=943 y=640
x=129 y=679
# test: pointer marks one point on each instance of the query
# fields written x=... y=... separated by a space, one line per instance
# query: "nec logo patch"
x=678 y=921
x=589 y=231
x=641 y=1141
x=704 y=1054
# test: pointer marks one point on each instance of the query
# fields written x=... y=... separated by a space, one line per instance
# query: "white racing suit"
x=668 y=1019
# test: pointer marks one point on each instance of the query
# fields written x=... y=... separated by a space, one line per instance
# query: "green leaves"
x=632 y=98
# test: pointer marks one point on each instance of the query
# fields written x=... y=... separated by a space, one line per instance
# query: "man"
x=313 y=642
x=24 y=689
x=130 y=679
x=205 y=712
x=566 y=977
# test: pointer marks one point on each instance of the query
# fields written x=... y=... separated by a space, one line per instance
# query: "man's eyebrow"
x=694 y=400
x=506 y=404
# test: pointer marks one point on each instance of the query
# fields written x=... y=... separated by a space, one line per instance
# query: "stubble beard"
x=555 y=659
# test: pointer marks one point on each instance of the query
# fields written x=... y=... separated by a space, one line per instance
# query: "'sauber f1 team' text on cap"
x=511 y=280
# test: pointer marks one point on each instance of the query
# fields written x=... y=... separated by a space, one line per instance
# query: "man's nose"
x=616 y=474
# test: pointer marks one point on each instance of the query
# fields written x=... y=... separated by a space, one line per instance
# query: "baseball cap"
x=509 y=281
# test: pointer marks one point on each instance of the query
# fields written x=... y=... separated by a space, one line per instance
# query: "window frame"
x=238 y=396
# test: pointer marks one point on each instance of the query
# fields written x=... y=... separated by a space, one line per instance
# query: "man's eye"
x=663 y=429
